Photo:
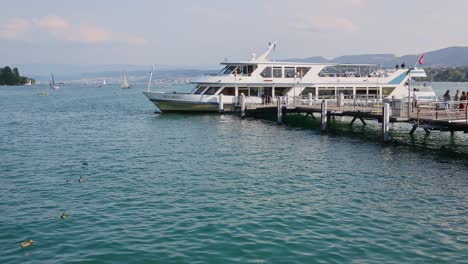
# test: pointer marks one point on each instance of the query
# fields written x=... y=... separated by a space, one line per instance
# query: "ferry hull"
x=173 y=106
x=185 y=103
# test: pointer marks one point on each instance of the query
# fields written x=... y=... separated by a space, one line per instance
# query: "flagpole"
x=150 y=78
x=421 y=57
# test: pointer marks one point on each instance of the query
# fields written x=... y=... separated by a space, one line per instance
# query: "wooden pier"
x=440 y=116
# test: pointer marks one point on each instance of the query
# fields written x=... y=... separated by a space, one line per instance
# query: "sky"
x=202 y=33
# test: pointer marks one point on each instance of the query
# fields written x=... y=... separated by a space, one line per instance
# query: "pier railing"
x=453 y=111
x=343 y=103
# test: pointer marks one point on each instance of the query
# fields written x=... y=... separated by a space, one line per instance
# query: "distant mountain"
x=318 y=59
x=42 y=72
x=448 y=57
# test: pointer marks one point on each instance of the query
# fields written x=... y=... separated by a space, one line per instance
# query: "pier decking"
x=440 y=116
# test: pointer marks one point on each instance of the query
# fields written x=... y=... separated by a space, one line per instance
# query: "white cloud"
x=93 y=34
x=61 y=29
x=52 y=23
x=14 y=28
x=327 y=23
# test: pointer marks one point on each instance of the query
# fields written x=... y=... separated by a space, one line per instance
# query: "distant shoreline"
x=11 y=77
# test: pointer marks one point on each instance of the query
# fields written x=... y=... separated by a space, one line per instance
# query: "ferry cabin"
x=322 y=81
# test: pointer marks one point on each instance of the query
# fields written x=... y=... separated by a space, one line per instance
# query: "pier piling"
x=242 y=99
x=386 y=122
x=466 y=115
x=324 y=117
x=221 y=103
x=279 y=109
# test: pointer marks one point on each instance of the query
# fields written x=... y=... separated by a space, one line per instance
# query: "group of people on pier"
x=458 y=101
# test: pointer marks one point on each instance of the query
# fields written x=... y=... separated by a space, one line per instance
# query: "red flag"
x=421 y=59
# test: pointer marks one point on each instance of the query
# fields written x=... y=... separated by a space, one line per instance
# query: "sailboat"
x=125 y=83
x=103 y=83
x=52 y=83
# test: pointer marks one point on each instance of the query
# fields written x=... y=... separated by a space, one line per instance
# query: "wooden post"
x=221 y=103
x=324 y=121
x=279 y=110
x=417 y=115
x=242 y=98
x=386 y=122
x=466 y=114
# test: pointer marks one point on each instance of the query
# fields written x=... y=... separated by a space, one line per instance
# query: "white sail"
x=52 y=82
x=125 y=83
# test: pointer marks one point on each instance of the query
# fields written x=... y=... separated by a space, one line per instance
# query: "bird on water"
x=27 y=243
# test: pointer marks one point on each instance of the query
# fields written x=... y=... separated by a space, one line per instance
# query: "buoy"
x=27 y=243
x=64 y=216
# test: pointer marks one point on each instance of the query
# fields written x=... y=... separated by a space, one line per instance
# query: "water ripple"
x=209 y=188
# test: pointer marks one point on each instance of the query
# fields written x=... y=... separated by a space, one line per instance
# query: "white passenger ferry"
x=262 y=81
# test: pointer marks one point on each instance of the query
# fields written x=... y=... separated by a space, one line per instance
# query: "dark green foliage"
x=455 y=74
x=12 y=77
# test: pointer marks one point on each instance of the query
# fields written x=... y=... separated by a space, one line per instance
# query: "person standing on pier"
x=415 y=98
x=463 y=98
x=456 y=98
x=447 y=97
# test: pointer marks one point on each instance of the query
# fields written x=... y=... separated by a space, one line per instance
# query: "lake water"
x=171 y=188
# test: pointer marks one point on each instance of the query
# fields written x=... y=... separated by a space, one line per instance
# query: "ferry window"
x=289 y=72
x=253 y=91
x=280 y=91
x=244 y=90
x=308 y=90
x=277 y=72
x=200 y=90
x=250 y=69
x=228 y=91
x=303 y=71
x=387 y=90
x=373 y=91
x=345 y=91
x=229 y=69
x=267 y=91
x=330 y=91
x=266 y=73
x=361 y=91
x=245 y=70
x=211 y=91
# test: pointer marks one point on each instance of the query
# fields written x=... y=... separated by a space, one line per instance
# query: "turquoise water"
x=175 y=188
